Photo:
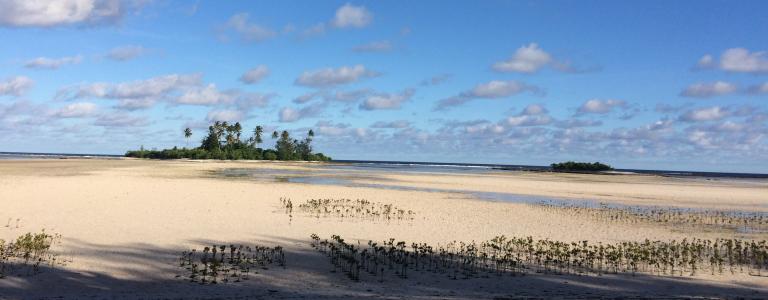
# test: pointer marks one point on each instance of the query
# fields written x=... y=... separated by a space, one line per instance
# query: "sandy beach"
x=124 y=222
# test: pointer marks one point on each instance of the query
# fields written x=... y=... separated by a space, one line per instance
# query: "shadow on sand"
x=149 y=272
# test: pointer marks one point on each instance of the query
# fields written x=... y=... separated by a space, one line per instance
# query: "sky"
x=671 y=85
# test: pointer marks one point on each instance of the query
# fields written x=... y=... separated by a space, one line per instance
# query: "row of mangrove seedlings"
x=351 y=209
x=748 y=222
x=513 y=256
x=25 y=255
x=223 y=264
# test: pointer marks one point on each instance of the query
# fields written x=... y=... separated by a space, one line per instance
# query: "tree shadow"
x=149 y=271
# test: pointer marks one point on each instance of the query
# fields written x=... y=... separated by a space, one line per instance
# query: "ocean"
x=432 y=166
x=409 y=166
x=32 y=155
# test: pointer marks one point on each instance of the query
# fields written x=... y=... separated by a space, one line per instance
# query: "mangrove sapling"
x=518 y=256
x=27 y=253
x=224 y=264
x=746 y=222
x=358 y=209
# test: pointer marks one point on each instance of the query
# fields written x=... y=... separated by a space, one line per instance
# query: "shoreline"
x=489 y=166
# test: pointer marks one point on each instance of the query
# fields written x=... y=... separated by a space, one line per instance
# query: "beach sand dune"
x=124 y=223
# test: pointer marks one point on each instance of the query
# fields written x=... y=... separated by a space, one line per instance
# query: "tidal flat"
x=130 y=228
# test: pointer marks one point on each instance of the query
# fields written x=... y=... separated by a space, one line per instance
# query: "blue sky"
x=651 y=84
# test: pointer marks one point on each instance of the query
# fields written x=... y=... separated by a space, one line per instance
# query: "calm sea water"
x=460 y=167
x=405 y=166
x=29 y=155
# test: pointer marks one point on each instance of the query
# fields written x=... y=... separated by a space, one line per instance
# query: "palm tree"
x=187 y=134
x=238 y=130
x=219 y=130
x=284 y=146
x=257 y=135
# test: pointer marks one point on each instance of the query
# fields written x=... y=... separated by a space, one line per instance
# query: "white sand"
x=124 y=222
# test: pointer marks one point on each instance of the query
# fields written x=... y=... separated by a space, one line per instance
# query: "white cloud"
x=26 y=13
x=15 y=86
x=211 y=96
x=135 y=104
x=391 y=124
x=706 y=62
x=484 y=128
x=52 y=63
x=331 y=129
x=436 y=80
x=249 y=32
x=343 y=132
x=576 y=123
x=329 y=77
x=376 y=46
x=496 y=89
x=247 y=101
x=155 y=87
x=348 y=96
x=387 y=101
x=288 y=114
x=349 y=15
x=184 y=89
x=531 y=115
x=713 y=113
x=701 y=138
x=711 y=89
x=534 y=109
x=362 y=133
x=527 y=59
x=208 y=95
x=316 y=30
x=124 y=53
x=307 y=97
x=255 y=75
x=759 y=89
x=729 y=126
x=16 y=109
x=76 y=110
x=490 y=90
x=121 y=120
x=529 y=120
x=224 y=115
x=741 y=60
x=738 y=60
x=598 y=106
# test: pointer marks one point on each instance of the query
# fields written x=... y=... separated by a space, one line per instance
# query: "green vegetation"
x=744 y=222
x=223 y=141
x=27 y=253
x=358 y=209
x=572 y=166
x=223 y=264
x=520 y=256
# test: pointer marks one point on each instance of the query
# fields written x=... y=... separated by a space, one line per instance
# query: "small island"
x=581 y=167
x=224 y=142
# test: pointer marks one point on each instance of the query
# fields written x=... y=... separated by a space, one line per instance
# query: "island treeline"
x=224 y=141
x=572 y=166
